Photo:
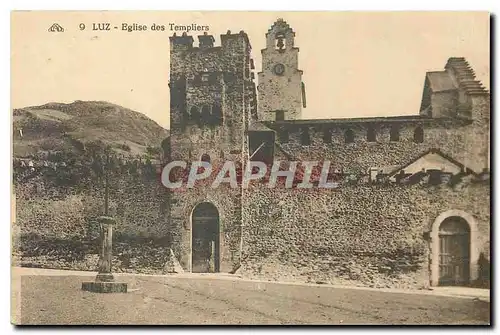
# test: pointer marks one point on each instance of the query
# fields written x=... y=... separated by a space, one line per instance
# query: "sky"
x=355 y=63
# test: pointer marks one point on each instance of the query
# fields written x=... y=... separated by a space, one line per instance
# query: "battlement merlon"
x=206 y=41
x=183 y=42
x=229 y=39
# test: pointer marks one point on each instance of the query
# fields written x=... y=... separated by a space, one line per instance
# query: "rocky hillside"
x=71 y=127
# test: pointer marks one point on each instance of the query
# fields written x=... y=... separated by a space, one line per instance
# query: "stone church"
x=412 y=208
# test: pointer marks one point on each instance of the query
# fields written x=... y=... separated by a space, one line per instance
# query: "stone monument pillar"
x=106 y=256
x=104 y=281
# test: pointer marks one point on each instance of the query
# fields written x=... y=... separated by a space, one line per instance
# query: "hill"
x=70 y=127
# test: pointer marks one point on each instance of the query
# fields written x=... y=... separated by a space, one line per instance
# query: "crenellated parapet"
x=185 y=42
x=375 y=130
x=210 y=83
x=181 y=42
x=230 y=40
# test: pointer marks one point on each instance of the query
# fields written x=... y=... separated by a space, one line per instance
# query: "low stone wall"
x=56 y=227
x=129 y=256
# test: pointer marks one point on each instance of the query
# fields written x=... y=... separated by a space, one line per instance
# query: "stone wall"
x=463 y=139
x=232 y=88
x=228 y=204
x=56 y=225
x=365 y=235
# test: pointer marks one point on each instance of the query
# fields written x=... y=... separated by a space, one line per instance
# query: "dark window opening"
x=418 y=135
x=261 y=146
x=205 y=115
x=394 y=133
x=280 y=115
x=305 y=139
x=327 y=136
x=216 y=114
x=194 y=114
x=280 y=42
x=284 y=136
x=349 y=136
x=370 y=135
x=205 y=158
x=434 y=177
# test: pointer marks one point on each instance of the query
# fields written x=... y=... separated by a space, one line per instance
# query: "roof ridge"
x=429 y=151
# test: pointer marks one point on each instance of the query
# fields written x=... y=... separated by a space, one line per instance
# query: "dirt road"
x=56 y=300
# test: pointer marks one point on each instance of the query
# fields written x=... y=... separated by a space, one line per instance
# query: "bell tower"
x=281 y=91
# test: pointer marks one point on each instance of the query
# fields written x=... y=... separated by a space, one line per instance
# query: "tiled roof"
x=258 y=126
x=435 y=151
x=440 y=81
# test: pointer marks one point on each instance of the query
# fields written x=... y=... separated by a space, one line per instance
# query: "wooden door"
x=454 y=252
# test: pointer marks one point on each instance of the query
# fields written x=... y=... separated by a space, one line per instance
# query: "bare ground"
x=57 y=300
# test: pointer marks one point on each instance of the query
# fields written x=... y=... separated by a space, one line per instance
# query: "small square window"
x=205 y=77
x=280 y=115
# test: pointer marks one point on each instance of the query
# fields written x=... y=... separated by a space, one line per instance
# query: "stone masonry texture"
x=360 y=234
x=357 y=235
x=363 y=233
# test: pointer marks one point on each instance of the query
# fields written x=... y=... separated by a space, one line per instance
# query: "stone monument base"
x=105 y=277
x=104 y=287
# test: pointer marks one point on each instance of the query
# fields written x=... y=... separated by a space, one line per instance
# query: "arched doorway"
x=454 y=251
x=205 y=238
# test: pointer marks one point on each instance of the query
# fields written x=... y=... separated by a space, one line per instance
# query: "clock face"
x=279 y=69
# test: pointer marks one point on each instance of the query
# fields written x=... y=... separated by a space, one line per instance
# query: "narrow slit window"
x=418 y=135
x=349 y=136
x=370 y=135
x=394 y=133
x=284 y=136
x=327 y=136
x=216 y=114
x=205 y=115
x=305 y=139
x=194 y=114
